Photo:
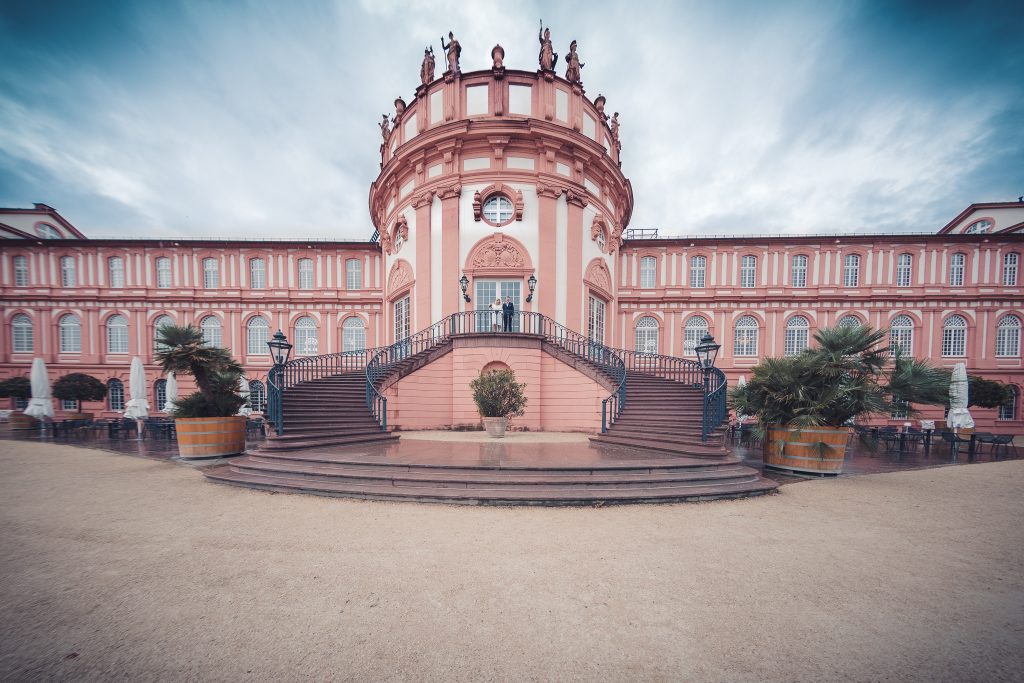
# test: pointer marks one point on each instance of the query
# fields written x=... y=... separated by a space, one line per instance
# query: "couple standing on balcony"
x=506 y=310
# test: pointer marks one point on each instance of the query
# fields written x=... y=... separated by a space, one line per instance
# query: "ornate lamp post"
x=280 y=350
x=532 y=284
x=464 y=284
x=707 y=352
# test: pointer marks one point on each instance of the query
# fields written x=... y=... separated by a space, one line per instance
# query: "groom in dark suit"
x=508 y=309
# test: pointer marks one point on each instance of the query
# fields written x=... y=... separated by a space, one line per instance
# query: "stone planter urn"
x=495 y=426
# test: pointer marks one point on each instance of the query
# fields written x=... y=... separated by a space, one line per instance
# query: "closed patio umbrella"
x=959 y=417
x=137 y=407
x=41 y=405
x=171 y=391
x=243 y=391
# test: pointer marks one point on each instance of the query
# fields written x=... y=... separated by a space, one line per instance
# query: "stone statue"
x=385 y=127
x=498 y=57
x=454 y=51
x=427 y=68
x=548 y=57
x=573 y=65
x=599 y=105
x=615 y=127
x=399 y=108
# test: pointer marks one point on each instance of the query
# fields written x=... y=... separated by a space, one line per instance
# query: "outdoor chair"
x=982 y=438
x=1004 y=442
x=954 y=441
x=160 y=428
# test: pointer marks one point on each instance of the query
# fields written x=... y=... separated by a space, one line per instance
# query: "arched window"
x=353 y=274
x=70 y=334
x=1008 y=337
x=163 y=273
x=901 y=334
x=647 y=335
x=159 y=394
x=115 y=395
x=211 y=328
x=798 y=271
x=67 y=271
x=957 y=262
x=117 y=334
x=257 y=335
x=1008 y=410
x=305 y=273
x=745 y=336
x=21 y=332
x=257 y=396
x=851 y=270
x=353 y=334
x=954 y=336
x=698 y=269
x=160 y=322
x=797 y=332
x=748 y=271
x=211 y=275
x=1010 y=269
x=648 y=272
x=904 y=267
x=849 y=321
x=696 y=328
x=115 y=269
x=306 y=341
x=20 y=271
x=257 y=273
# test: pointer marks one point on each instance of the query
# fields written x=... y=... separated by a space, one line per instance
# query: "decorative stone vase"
x=495 y=426
x=811 y=450
x=210 y=437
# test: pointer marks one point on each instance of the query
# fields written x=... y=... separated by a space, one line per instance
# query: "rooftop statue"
x=454 y=51
x=385 y=128
x=548 y=57
x=399 y=108
x=427 y=68
x=615 y=127
x=573 y=65
x=498 y=57
x=599 y=104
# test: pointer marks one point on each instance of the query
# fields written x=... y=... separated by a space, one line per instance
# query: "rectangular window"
x=68 y=404
x=1010 y=270
x=211 y=276
x=595 y=319
x=67 y=271
x=900 y=410
x=257 y=273
x=402 y=319
x=798 y=272
x=115 y=268
x=698 y=268
x=956 y=270
x=903 y=270
x=20 y=271
x=748 y=272
x=851 y=271
x=954 y=341
x=306 y=273
x=354 y=274
x=648 y=272
x=163 y=272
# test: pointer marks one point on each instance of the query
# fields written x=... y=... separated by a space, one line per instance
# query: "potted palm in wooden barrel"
x=207 y=422
x=18 y=388
x=498 y=396
x=805 y=403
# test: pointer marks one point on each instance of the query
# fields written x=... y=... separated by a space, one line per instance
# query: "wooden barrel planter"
x=20 y=420
x=210 y=437
x=812 y=450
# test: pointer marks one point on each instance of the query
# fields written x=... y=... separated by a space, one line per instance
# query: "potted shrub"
x=206 y=421
x=15 y=388
x=79 y=387
x=498 y=396
x=805 y=403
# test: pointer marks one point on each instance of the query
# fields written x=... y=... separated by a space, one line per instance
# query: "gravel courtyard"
x=114 y=566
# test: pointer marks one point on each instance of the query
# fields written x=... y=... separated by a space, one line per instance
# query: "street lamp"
x=532 y=284
x=464 y=284
x=280 y=349
x=707 y=351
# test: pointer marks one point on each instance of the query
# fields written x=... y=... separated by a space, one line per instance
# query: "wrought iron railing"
x=715 y=388
x=674 y=368
x=383 y=363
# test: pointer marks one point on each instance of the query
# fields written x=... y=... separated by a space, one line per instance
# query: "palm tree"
x=183 y=351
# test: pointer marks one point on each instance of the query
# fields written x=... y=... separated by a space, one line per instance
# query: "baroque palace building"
x=497 y=176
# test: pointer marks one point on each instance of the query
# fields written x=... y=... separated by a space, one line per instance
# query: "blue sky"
x=246 y=119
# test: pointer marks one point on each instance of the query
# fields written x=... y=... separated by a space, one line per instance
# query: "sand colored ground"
x=114 y=566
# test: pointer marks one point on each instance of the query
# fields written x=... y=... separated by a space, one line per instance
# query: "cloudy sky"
x=237 y=118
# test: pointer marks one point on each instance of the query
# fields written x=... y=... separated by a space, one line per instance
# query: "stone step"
x=314 y=441
x=654 y=442
x=308 y=433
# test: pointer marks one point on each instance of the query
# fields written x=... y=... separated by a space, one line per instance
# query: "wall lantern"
x=464 y=284
x=707 y=352
x=280 y=349
x=532 y=284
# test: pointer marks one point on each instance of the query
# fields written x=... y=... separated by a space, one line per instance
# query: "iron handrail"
x=715 y=387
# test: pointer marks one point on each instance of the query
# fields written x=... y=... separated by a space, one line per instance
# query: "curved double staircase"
x=663 y=444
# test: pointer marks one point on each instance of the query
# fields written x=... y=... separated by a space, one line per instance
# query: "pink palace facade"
x=498 y=175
